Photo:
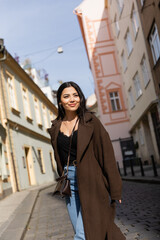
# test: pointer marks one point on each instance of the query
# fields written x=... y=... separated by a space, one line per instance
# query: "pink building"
x=95 y=26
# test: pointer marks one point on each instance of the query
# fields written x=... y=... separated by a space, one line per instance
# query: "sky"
x=34 y=29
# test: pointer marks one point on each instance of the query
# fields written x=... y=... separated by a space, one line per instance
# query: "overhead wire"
x=47 y=49
x=66 y=43
x=54 y=50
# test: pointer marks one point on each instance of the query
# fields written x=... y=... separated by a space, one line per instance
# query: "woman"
x=94 y=178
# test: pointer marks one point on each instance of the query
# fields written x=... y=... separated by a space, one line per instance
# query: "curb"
x=19 y=224
x=142 y=180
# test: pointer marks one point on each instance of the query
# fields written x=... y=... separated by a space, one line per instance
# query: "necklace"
x=69 y=126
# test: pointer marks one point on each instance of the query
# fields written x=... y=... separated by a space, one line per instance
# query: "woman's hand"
x=112 y=201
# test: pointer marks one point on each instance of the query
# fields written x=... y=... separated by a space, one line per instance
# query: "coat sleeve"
x=105 y=154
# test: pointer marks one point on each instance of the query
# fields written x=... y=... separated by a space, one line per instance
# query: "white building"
x=137 y=75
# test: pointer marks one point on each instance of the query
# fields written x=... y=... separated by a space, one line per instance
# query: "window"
x=154 y=42
x=26 y=102
x=145 y=72
x=40 y=159
x=124 y=63
x=45 y=116
x=116 y=26
x=129 y=43
x=131 y=99
x=11 y=91
x=52 y=161
x=115 y=101
x=52 y=116
x=120 y=5
x=135 y=23
x=137 y=85
x=36 y=105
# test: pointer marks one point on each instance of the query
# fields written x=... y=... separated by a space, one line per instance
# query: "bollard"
x=141 y=167
x=131 y=163
x=124 y=168
x=118 y=168
x=154 y=166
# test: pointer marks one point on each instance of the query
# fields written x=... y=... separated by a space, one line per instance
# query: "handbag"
x=63 y=183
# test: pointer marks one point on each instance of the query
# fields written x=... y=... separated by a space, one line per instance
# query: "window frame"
x=45 y=116
x=52 y=160
x=117 y=28
x=124 y=61
x=128 y=41
x=145 y=72
x=41 y=160
x=37 y=112
x=137 y=85
x=120 y=4
x=114 y=100
x=154 y=39
x=27 y=113
x=12 y=93
x=131 y=98
x=135 y=22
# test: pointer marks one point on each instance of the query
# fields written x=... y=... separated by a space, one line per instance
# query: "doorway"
x=30 y=167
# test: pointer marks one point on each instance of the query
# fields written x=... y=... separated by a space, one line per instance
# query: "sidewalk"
x=16 y=209
x=15 y=212
x=148 y=178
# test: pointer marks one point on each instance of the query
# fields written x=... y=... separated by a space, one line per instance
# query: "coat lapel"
x=85 y=132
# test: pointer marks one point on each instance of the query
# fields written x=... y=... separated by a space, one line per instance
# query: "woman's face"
x=70 y=99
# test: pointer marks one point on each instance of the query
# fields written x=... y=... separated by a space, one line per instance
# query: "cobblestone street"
x=138 y=216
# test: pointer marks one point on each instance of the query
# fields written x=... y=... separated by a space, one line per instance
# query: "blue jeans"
x=73 y=205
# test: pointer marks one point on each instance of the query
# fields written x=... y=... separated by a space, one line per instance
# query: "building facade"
x=149 y=12
x=25 y=113
x=138 y=77
x=100 y=46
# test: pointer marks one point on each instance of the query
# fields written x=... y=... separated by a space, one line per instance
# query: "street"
x=138 y=216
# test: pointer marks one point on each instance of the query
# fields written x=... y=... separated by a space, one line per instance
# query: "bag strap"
x=71 y=144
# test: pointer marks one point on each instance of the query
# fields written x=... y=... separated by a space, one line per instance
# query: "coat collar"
x=85 y=131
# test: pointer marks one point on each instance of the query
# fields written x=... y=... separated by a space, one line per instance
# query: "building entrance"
x=29 y=164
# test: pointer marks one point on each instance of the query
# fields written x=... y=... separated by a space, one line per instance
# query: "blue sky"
x=34 y=29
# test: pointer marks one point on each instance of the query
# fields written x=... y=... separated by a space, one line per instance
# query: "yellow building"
x=25 y=115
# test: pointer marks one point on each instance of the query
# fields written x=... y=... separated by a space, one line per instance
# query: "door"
x=30 y=167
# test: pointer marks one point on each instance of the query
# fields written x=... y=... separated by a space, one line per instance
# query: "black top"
x=63 y=142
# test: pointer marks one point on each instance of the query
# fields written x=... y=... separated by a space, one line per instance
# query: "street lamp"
x=60 y=50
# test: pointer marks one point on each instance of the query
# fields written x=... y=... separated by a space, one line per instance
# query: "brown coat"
x=97 y=177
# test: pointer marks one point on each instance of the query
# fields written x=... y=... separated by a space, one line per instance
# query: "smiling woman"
x=91 y=168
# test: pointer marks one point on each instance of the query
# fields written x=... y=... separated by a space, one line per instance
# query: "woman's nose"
x=72 y=98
